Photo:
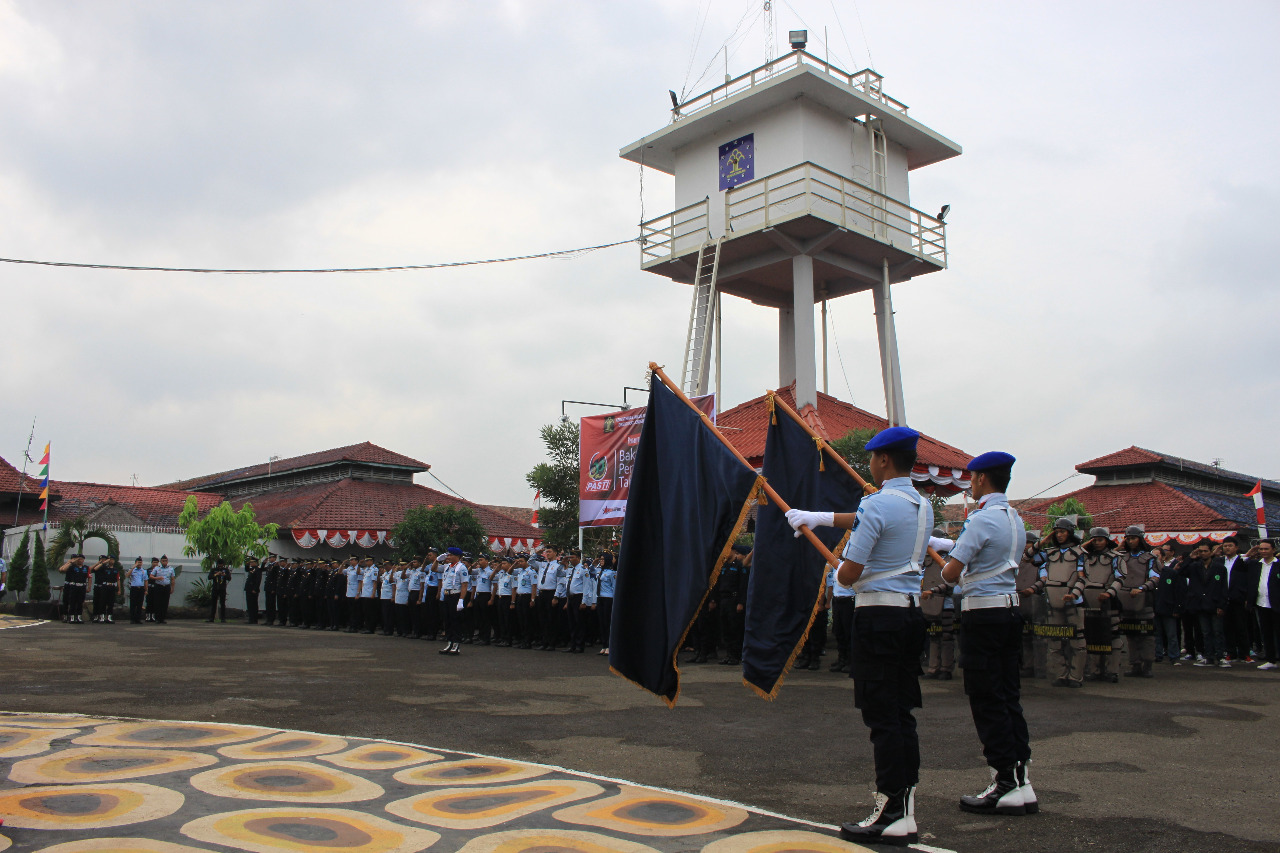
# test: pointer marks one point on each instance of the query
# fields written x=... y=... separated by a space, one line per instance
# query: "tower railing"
x=810 y=190
x=804 y=190
x=866 y=81
x=676 y=233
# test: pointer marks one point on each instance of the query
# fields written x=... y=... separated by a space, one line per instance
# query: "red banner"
x=606 y=457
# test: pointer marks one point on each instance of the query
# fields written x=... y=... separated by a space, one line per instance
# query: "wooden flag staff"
x=768 y=490
x=840 y=460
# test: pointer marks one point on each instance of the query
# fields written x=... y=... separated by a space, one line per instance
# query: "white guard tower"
x=790 y=189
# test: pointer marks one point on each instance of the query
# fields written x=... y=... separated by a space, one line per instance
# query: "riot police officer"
x=1061 y=582
x=1101 y=619
x=1033 y=607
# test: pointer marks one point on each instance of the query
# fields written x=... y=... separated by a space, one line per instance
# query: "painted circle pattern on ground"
x=315 y=792
x=286 y=781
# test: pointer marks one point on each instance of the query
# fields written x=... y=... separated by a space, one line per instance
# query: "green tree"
x=39 y=573
x=224 y=534
x=72 y=536
x=20 y=565
x=1070 y=506
x=557 y=480
x=441 y=526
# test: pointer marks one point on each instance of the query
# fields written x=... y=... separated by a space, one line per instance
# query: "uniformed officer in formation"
x=1034 y=608
x=1138 y=574
x=219 y=578
x=138 y=578
x=252 y=589
x=108 y=582
x=1101 y=619
x=939 y=610
x=1062 y=582
x=984 y=562
x=162 y=575
x=455 y=580
x=882 y=562
x=73 y=589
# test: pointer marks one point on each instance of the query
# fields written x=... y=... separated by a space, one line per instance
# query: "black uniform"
x=252 y=584
x=731 y=591
x=106 y=583
x=336 y=598
x=219 y=577
x=73 y=591
x=270 y=580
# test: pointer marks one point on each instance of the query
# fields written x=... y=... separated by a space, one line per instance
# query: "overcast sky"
x=1111 y=220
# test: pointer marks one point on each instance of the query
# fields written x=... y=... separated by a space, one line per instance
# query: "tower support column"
x=786 y=348
x=890 y=369
x=806 y=366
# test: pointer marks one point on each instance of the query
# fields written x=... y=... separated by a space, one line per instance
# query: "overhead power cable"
x=562 y=254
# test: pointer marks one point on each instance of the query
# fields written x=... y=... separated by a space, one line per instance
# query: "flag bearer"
x=985 y=563
x=883 y=564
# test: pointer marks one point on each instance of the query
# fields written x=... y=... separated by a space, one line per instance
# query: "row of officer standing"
x=541 y=601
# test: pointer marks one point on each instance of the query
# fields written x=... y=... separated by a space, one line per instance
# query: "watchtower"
x=791 y=188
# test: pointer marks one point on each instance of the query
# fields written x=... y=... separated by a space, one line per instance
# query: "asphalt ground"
x=1185 y=762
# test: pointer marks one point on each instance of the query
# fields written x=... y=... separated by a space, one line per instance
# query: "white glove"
x=461 y=603
x=942 y=546
x=798 y=517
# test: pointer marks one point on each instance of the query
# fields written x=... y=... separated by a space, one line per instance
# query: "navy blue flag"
x=689 y=500
x=787 y=573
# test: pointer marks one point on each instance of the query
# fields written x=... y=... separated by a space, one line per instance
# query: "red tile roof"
x=363 y=452
x=1157 y=506
x=366 y=505
x=153 y=506
x=1121 y=459
x=11 y=480
x=746 y=426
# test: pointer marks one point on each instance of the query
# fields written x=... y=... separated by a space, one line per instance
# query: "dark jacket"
x=1243 y=577
x=1171 y=592
x=252 y=579
x=1273 y=584
x=1206 y=587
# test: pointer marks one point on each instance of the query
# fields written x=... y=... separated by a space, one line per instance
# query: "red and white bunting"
x=946 y=480
x=502 y=543
x=309 y=538
x=1256 y=494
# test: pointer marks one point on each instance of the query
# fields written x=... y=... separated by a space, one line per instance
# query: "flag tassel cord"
x=764 y=484
x=840 y=460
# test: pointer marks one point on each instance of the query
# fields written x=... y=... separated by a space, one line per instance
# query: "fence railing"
x=803 y=190
x=866 y=81
x=809 y=189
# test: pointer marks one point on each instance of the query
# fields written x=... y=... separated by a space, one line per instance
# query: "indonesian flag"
x=537 y=504
x=1256 y=494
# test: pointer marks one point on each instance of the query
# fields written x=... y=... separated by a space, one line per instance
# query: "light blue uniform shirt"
x=368 y=581
x=548 y=575
x=578 y=579
x=137 y=576
x=483 y=579
x=387 y=592
x=353 y=581
x=589 y=593
x=608 y=577
x=525 y=579
x=402 y=587
x=433 y=578
x=884 y=535
x=415 y=579
x=454 y=577
x=162 y=575
x=503 y=582
x=988 y=542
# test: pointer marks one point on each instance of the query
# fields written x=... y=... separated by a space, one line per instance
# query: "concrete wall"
x=785 y=137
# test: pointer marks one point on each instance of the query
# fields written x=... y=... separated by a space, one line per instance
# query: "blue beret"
x=892 y=437
x=990 y=459
x=457 y=552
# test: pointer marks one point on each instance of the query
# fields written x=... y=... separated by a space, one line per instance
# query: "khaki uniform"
x=1100 y=577
x=1035 y=613
x=1063 y=628
x=1139 y=571
x=939 y=620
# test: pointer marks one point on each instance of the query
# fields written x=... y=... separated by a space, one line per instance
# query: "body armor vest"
x=1028 y=574
x=931 y=607
x=1135 y=569
x=1098 y=576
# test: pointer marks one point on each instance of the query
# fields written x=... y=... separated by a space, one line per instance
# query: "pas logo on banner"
x=606 y=452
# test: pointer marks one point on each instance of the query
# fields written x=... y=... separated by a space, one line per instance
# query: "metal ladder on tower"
x=697 y=357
